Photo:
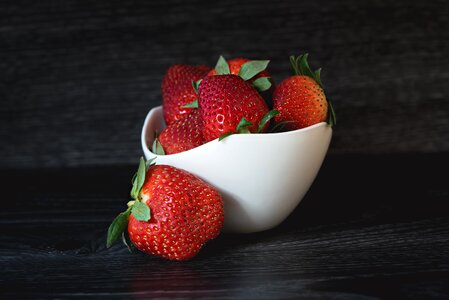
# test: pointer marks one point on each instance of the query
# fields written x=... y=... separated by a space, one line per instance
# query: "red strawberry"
x=300 y=99
x=235 y=64
x=183 y=134
x=175 y=213
x=224 y=100
x=177 y=90
x=253 y=71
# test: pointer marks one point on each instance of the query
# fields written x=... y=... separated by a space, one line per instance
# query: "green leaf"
x=266 y=119
x=242 y=126
x=252 y=68
x=117 y=227
x=125 y=242
x=149 y=163
x=293 y=62
x=262 y=84
x=304 y=66
x=193 y=104
x=332 y=119
x=141 y=211
x=301 y=67
x=222 y=67
x=225 y=135
x=317 y=77
x=139 y=179
x=134 y=178
x=195 y=85
x=157 y=147
x=280 y=126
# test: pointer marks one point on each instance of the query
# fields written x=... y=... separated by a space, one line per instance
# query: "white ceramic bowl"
x=261 y=177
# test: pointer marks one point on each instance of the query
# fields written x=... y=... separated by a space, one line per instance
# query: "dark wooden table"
x=370 y=227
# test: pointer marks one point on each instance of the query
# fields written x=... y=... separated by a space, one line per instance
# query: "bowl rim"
x=231 y=137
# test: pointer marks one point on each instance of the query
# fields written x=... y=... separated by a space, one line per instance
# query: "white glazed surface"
x=261 y=177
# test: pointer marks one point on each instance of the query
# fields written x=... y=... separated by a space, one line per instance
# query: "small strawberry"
x=235 y=65
x=300 y=99
x=183 y=134
x=177 y=90
x=225 y=101
x=173 y=215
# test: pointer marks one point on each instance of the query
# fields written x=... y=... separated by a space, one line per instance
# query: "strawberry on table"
x=177 y=90
x=300 y=99
x=173 y=214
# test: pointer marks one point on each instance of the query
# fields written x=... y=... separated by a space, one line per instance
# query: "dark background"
x=78 y=77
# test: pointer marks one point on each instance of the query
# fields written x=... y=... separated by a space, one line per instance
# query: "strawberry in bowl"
x=261 y=175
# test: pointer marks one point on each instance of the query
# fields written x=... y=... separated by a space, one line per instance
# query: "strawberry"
x=236 y=64
x=183 y=134
x=225 y=101
x=300 y=99
x=173 y=215
x=253 y=71
x=177 y=90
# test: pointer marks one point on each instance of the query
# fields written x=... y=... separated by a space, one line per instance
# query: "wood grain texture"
x=78 y=77
x=367 y=234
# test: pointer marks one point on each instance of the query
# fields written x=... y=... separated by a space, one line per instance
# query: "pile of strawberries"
x=200 y=104
x=173 y=213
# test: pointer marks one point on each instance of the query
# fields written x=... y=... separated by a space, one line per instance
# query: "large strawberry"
x=177 y=90
x=173 y=214
x=182 y=135
x=300 y=99
x=228 y=104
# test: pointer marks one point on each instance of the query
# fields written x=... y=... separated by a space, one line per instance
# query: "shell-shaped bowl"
x=261 y=177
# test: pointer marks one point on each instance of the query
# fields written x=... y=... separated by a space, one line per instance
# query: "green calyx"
x=222 y=67
x=301 y=67
x=267 y=119
x=157 y=146
x=193 y=104
x=332 y=118
x=247 y=71
x=242 y=126
x=252 y=68
x=262 y=84
x=196 y=84
x=136 y=207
